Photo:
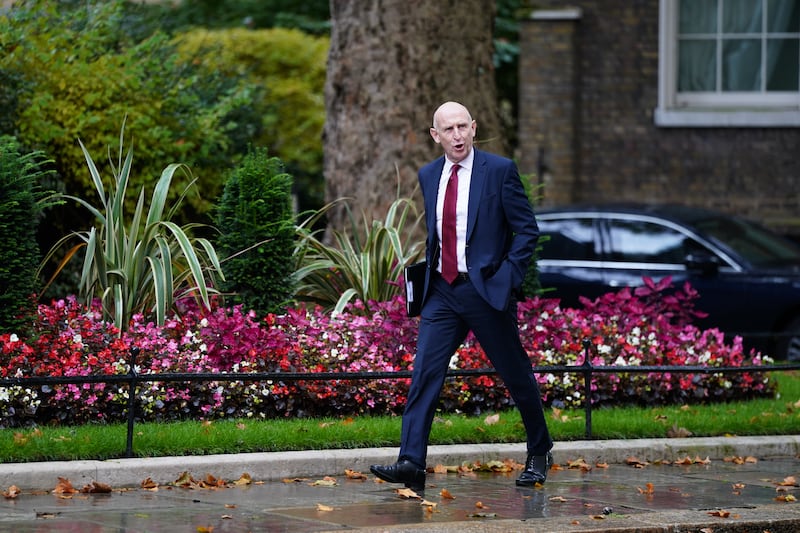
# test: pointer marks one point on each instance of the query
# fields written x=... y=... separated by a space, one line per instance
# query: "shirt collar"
x=465 y=163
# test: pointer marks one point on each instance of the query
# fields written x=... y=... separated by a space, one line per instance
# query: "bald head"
x=449 y=108
x=454 y=129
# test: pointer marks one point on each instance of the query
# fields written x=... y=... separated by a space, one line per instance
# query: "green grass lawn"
x=778 y=416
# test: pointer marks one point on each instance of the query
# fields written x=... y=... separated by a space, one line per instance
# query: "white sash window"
x=729 y=63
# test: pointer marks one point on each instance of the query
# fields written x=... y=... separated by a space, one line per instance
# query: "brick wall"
x=588 y=89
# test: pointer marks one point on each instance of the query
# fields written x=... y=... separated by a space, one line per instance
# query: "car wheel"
x=789 y=343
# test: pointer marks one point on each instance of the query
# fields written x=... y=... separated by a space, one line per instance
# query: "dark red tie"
x=449 y=258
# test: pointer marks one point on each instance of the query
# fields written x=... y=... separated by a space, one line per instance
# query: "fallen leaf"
x=649 y=489
x=211 y=482
x=12 y=492
x=636 y=463
x=579 y=464
x=558 y=499
x=720 y=513
x=241 y=426
x=446 y=495
x=597 y=517
x=244 y=479
x=676 y=432
x=149 y=484
x=407 y=493
x=479 y=505
x=491 y=419
x=738 y=486
x=205 y=529
x=441 y=469
x=226 y=517
x=786 y=498
x=230 y=506
x=494 y=466
x=327 y=481
x=64 y=487
x=324 y=508
x=96 y=488
x=429 y=505
x=352 y=474
x=601 y=465
x=185 y=480
x=789 y=481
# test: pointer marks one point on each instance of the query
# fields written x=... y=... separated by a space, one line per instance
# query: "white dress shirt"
x=464 y=178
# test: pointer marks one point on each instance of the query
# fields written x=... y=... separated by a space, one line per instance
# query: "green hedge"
x=20 y=207
x=290 y=66
x=81 y=76
x=256 y=223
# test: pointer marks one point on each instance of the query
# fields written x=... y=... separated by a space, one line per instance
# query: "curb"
x=272 y=466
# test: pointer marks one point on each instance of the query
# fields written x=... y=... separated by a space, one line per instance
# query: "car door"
x=569 y=259
x=636 y=247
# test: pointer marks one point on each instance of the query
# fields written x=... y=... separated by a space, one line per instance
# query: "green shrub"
x=79 y=73
x=256 y=224
x=291 y=67
x=21 y=202
x=140 y=262
x=368 y=269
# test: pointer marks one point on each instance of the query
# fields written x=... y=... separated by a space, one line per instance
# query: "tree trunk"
x=391 y=63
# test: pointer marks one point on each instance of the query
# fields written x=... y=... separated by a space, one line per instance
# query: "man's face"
x=454 y=130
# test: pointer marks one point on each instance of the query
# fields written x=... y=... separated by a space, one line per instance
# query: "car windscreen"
x=757 y=245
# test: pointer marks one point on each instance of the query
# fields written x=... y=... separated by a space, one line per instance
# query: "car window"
x=756 y=244
x=641 y=241
x=571 y=240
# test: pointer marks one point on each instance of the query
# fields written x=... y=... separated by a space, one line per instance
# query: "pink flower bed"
x=651 y=327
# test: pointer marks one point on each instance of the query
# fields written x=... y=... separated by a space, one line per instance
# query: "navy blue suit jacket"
x=501 y=226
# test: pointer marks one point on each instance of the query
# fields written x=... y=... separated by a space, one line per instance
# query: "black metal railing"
x=587 y=370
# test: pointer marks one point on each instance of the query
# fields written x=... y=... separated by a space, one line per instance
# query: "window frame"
x=736 y=109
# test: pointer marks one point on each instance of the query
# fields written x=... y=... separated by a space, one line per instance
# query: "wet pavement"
x=671 y=485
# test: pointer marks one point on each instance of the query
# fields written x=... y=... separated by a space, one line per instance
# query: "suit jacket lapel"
x=477 y=183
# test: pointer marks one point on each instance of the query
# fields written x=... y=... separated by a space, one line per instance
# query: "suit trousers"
x=448 y=315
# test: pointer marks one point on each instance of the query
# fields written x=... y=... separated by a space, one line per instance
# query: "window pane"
x=783 y=63
x=567 y=239
x=698 y=16
x=645 y=242
x=741 y=16
x=697 y=62
x=783 y=16
x=741 y=62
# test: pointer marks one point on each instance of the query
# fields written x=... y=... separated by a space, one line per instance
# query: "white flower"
x=204 y=322
x=454 y=361
x=13 y=337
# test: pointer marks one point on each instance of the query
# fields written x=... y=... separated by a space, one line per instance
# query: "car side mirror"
x=702 y=262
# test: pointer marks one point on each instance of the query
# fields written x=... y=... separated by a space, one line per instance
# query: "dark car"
x=748 y=277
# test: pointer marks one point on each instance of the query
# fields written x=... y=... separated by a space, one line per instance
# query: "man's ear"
x=435 y=135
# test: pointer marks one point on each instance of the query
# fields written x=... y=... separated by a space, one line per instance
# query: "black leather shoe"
x=404 y=472
x=536 y=468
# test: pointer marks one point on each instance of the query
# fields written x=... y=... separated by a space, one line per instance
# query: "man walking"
x=481 y=235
